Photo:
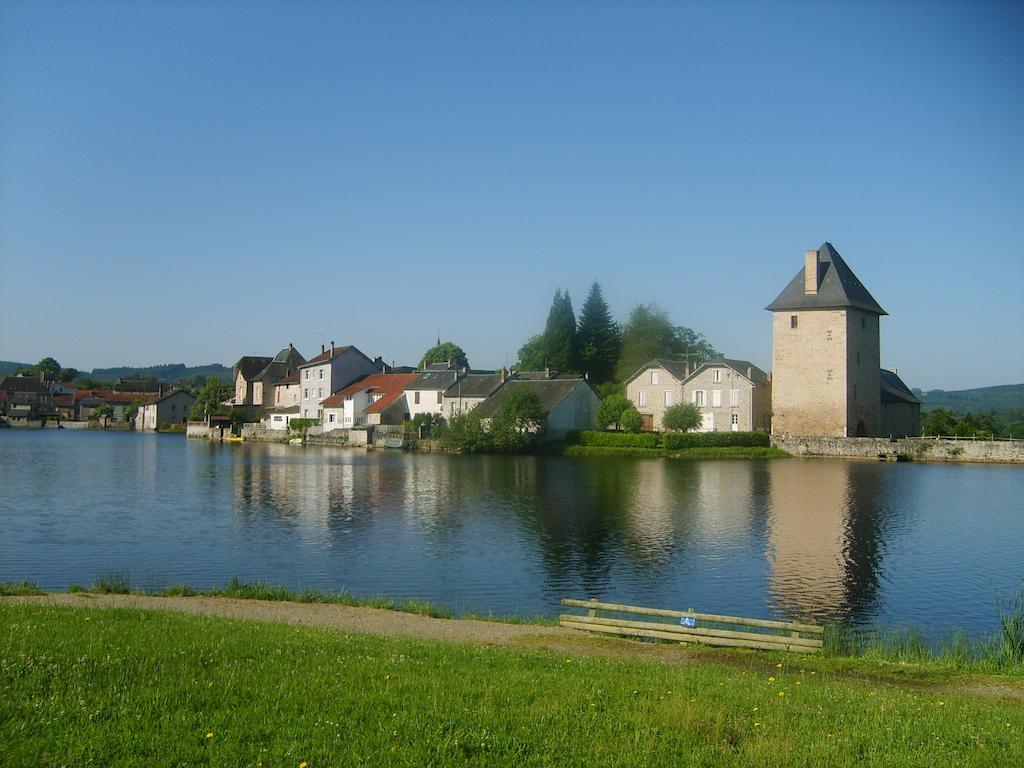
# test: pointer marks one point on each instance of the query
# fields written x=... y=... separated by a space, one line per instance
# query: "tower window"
x=792 y=321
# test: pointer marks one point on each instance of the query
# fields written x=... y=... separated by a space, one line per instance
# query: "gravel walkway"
x=364 y=620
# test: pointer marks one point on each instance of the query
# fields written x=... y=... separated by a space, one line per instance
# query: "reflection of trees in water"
x=827 y=534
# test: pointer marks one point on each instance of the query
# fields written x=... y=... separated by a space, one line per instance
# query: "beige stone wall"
x=728 y=381
x=809 y=373
x=654 y=393
x=863 y=360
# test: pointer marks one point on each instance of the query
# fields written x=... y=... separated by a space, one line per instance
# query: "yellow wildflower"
x=782 y=693
x=779 y=665
x=209 y=735
x=771 y=679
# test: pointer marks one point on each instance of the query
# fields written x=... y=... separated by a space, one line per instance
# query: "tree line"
x=608 y=352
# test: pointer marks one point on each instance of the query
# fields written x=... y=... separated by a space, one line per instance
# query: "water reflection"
x=823 y=539
x=826 y=537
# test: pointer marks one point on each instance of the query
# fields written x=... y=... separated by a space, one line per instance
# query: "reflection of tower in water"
x=825 y=538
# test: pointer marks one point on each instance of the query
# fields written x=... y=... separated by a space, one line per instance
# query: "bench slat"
x=778 y=640
x=688 y=638
x=766 y=623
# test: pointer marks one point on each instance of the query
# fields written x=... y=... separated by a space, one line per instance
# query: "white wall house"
x=732 y=395
x=328 y=372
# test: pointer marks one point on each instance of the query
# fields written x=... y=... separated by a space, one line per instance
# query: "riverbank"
x=112 y=681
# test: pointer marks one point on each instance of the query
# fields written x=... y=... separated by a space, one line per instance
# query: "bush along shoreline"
x=676 y=445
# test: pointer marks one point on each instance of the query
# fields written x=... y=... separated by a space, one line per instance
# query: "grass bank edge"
x=901 y=647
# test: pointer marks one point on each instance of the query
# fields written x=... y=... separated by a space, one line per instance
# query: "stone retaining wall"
x=916 y=448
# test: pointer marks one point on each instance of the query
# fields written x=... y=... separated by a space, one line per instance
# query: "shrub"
x=301 y=425
x=617 y=439
x=630 y=420
x=677 y=441
x=682 y=417
x=465 y=434
x=611 y=409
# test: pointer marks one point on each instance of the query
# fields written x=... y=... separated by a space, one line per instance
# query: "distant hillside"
x=7 y=367
x=167 y=373
x=1008 y=397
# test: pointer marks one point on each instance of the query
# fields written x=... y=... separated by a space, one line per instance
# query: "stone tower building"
x=825 y=352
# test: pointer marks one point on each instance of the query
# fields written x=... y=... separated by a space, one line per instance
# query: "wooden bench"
x=690 y=627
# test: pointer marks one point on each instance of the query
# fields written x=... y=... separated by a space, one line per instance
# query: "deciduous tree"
x=649 y=334
x=443 y=353
x=610 y=410
x=682 y=417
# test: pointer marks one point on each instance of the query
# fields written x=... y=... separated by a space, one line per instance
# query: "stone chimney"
x=290 y=346
x=686 y=371
x=322 y=349
x=332 y=347
x=810 y=272
x=750 y=373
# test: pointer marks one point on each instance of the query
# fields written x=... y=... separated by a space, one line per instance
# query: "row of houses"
x=27 y=399
x=343 y=388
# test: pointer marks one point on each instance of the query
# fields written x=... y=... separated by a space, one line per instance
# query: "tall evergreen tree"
x=560 y=334
x=597 y=337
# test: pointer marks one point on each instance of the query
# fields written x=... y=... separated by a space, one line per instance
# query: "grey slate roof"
x=838 y=288
x=757 y=376
x=550 y=392
x=284 y=362
x=475 y=385
x=438 y=380
x=894 y=390
x=675 y=368
x=249 y=366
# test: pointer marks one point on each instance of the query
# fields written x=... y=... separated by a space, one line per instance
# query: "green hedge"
x=675 y=441
x=616 y=439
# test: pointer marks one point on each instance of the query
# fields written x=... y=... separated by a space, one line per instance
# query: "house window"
x=735 y=419
x=654 y=377
x=331 y=418
x=716 y=375
x=305 y=392
x=416 y=398
x=641 y=398
x=792 y=321
x=734 y=398
x=320 y=392
x=668 y=398
x=716 y=398
x=699 y=397
x=307 y=375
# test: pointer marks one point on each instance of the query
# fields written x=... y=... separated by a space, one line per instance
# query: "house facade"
x=425 y=393
x=333 y=369
x=656 y=387
x=244 y=376
x=171 y=408
x=732 y=395
x=569 y=403
x=284 y=363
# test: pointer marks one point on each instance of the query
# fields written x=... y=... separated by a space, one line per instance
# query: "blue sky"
x=191 y=182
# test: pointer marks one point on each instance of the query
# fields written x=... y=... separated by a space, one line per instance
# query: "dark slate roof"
x=22 y=384
x=894 y=390
x=433 y=380
x=550 y=392
x=674 y=367
x=249 y=366
x=290 y=356
x=757 y=376
x=475 y=385
x=838 y=288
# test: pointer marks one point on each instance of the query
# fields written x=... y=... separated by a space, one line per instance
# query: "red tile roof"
x=390 y=386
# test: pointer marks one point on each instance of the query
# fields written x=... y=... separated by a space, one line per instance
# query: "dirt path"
x=377 y=621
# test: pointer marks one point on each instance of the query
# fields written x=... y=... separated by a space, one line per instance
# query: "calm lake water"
x=860 y=542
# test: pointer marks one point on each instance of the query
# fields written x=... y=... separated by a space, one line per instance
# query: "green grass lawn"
x=123 y=687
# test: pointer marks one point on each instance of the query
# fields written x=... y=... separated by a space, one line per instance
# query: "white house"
x=371 y=400
x=425 y=393
x=331 y=370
